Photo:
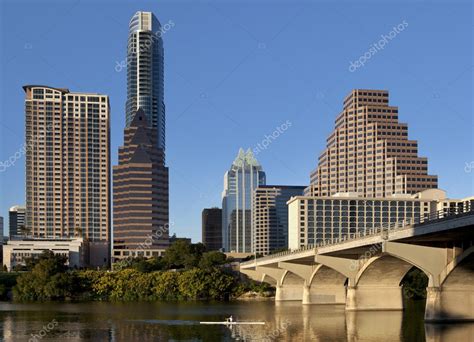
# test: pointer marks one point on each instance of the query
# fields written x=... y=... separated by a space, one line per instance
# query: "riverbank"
x=132 y=285
x=137 y=280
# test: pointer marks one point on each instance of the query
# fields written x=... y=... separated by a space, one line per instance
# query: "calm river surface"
x=288 y=321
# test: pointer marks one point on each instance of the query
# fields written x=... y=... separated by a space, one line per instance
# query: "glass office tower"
x=145 y=72
x=244 y=176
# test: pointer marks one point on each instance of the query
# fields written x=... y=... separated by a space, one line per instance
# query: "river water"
x=286 y=321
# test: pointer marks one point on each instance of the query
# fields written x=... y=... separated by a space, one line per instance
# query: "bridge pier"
x=374 y=298
x=289 y=292
x=444 y=304
x=324 y=294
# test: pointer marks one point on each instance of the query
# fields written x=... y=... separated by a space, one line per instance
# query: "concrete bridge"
x=364 y=272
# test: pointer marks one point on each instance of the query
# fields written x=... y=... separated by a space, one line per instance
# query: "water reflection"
x=285 y=321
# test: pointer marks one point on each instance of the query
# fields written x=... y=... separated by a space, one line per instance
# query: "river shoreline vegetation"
x=186 y=272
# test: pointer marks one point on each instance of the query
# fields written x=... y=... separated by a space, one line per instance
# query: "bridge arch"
x=290 y=278
x=377 y=284
x=385 y=269
x=269 y=279
x=326 y=286
x=291 y=287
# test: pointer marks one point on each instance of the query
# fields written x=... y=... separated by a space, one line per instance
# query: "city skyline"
x=313 y=124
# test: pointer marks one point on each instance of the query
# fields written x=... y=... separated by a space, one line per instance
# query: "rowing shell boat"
x=234 y=323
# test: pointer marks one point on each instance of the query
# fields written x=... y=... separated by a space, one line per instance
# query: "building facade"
x=68 y=166
x=369 y=152
x=212 y=228
x=270 y=217
x=145 y=73
x=316 y=219
x=244 y=176
x=15 y=252
x=17 y=221
x=140 y=182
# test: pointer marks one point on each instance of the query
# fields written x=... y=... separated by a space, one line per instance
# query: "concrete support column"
x=289 y=292
x=306 y=294
x=374 y=298
x=278 y=294
x=449 y=304
x=328 y=294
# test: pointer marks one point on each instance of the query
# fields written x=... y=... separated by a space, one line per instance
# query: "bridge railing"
x=446 y=213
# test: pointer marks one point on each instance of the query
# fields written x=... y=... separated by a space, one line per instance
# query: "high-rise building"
x=369 y=152
x=17 y=223
x=140 y=193
x=145 y=73
x=244 y=176
x=68 y=167
x=270 y=217
x=212 y=228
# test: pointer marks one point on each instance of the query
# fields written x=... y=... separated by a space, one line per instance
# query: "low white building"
x=15 y=252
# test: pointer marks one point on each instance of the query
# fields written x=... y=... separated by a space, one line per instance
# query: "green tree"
x=212 y=259
x=182 y=254
x=145 y=265
x=46 y=281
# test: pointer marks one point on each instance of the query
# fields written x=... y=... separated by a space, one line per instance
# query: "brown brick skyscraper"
x=140 y=193
x=369 y=153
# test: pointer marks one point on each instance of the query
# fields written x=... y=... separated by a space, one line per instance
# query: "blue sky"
x=237 y=70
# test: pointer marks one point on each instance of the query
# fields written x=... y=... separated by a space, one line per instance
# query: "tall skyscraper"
x=17 y=222
x=145 y=73
x=244 y=176
x=270 y=216
x=212 y=228
x=369 y=152
x=68 y=167
x=141 y=208
x=140 y=193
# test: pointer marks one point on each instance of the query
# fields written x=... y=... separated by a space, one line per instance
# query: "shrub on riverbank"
x=50 y=280
x=132 y=285
x=128 y=285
